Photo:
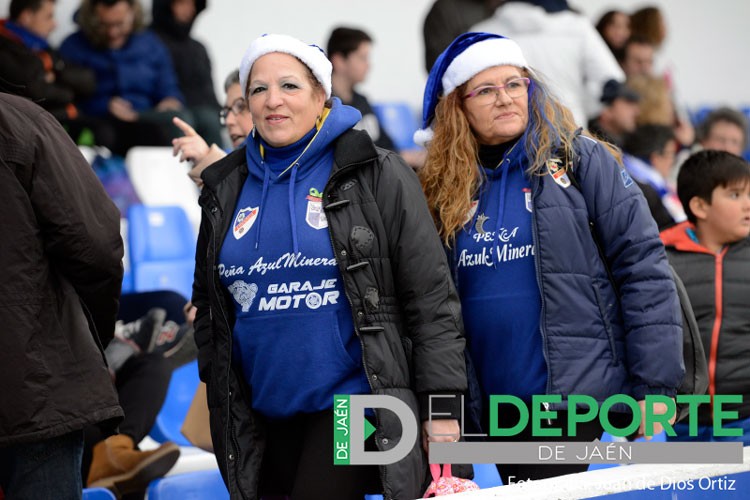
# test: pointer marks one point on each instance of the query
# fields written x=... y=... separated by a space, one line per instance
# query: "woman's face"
x=501 y=118
x=617 y=31
x=283 y=101
x=239 y=124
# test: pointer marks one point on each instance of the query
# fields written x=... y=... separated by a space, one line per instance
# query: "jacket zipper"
x=537 y=257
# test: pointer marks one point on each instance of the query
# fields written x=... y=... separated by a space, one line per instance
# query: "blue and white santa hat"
x=467 y=55
x=311 y=55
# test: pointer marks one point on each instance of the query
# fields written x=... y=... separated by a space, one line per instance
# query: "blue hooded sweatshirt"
x=497 y=283
x=294 y=336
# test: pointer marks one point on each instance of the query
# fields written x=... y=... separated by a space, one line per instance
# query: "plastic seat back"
x=399 y=122
x=191 y=486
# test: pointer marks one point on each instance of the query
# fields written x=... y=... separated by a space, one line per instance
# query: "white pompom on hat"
x=311 y=55
x=468 y=55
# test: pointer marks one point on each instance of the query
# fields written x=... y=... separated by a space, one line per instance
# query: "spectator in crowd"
x=614 y=28
x=172 y=22
x=637 y=57
x=36 y=71
x=650 y=157
x=449 y=18
x=724 y=129
x=349 y=52
x=264 y=204
x=234 y=115
x=141 y=359
x=619 y=115
x=136 y=87
x=561 y=43
x=499 y=182
x=711 y=254
x=61 y=261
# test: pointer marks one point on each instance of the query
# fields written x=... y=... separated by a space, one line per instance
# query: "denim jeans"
x=706 y=432
x=44 y=470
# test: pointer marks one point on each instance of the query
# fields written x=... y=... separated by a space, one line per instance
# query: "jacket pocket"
x=604 y=311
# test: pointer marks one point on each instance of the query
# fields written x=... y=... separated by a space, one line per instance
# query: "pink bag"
x=447 y=484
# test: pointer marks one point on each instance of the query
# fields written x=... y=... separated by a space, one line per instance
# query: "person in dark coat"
x=318 y=272
x=35 y=70
x=516 y=193
x=136 y=86
x=172 y=22
x=61 y=262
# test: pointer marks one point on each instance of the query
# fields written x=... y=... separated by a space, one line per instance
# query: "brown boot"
x=119 y=467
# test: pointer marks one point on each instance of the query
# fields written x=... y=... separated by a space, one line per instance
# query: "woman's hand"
x=659 y=409
x=432 y=430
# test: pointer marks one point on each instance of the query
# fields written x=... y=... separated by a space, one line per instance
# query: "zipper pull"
x=546 y=408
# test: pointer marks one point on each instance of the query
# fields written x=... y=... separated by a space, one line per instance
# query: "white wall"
x=707 y=40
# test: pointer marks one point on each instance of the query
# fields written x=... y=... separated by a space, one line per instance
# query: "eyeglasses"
x=237 y=107
x=518 y=87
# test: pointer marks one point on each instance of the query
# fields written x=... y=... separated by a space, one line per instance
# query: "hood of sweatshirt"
x=287 y=164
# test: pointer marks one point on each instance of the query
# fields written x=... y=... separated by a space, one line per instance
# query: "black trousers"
x=142 y=385
x=508 y=416
x=298 y=462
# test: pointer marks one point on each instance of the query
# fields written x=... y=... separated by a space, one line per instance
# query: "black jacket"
x=717 y=285
x=61 y=262
x=189 y=56
x=29 y=72
x=405 y=308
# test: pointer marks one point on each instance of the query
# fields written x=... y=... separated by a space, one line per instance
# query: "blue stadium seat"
x=699 y=114
x=180 y=394
x=191 y=486
x=97 y=494
x=486 y=476
x=399 y=122
x=162 y=249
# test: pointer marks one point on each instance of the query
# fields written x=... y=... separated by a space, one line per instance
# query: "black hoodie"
x=189 y=56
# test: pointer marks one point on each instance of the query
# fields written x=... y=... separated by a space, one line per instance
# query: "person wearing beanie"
x=318 y=272
x=517 y=192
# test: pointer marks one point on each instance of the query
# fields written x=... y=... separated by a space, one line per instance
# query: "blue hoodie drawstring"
x=292 y=212
x=266 y=182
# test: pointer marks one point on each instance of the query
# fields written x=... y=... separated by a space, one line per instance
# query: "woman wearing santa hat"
x=318 y=272
x=526 y=202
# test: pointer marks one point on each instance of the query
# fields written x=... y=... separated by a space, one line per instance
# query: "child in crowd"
x=711 y=253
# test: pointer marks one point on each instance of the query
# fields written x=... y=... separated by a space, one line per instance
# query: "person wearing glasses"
x=235 y=116
x=521 y=198
x=318 y=272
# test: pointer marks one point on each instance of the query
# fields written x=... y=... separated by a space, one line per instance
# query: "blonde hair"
x=451 y=176
x=655 y=106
